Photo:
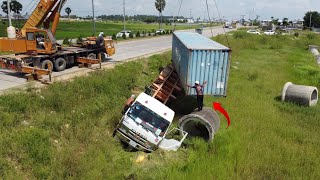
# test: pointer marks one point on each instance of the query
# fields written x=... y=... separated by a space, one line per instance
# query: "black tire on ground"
x=60 y=64
x=92 y=56
x=46 y=63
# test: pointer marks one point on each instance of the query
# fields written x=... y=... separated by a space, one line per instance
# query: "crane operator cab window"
x=41 y=39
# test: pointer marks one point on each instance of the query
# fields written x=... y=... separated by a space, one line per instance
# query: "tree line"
x=312 y=19
x=144 y=18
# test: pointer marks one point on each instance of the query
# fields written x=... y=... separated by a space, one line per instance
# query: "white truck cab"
x=146 y=123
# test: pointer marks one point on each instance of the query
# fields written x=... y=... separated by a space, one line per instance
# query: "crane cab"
x=40 y=41
x=36 y=41
x=109 y=45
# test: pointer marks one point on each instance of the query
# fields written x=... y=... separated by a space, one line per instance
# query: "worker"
x=128 y=103
x=199 y=91
x=100 y=40
x=40 y=41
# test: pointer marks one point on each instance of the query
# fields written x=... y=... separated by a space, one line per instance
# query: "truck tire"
x=92 y=56
x=60 y=64
x=46 y=64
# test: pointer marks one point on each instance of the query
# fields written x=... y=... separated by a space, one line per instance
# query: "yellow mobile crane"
x=36 y=49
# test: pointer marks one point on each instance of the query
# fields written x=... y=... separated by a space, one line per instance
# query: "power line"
x=174 y=28
x=224 y=30
x=209 y=18
x=27 y=6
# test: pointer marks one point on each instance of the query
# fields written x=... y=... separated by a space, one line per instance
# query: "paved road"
x=124 y=50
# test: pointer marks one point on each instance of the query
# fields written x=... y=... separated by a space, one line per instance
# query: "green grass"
x=74 y=29
x=85 y=29
x=64 y=131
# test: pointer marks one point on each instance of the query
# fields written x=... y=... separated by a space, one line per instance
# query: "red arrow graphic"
x=217 y=106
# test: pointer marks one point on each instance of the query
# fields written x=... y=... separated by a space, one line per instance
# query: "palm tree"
x=285 y=21
x=160 y=5
x=68 y=11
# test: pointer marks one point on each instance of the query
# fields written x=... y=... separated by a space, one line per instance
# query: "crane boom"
x=47 y=11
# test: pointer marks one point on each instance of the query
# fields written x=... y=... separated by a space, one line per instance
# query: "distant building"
x=298 y=23
x=190 y=20
x=266 y=22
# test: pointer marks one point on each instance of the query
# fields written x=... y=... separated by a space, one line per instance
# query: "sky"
x=228 y=9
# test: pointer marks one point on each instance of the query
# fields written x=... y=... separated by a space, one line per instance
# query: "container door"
x=31 y=42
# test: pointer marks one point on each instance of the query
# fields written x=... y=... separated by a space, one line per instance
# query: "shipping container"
x=197 y=58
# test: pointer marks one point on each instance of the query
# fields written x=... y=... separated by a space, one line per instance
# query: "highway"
x=125 y=50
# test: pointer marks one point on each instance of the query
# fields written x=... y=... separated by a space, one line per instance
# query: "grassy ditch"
x=64 y=131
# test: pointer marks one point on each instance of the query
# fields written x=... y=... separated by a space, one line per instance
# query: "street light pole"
x=124 y=15
x=93 y=19
x=9 y=12
x=310 y=18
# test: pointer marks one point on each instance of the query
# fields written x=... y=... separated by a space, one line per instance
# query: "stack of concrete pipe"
x=314 y=50
x=202 y=124
x=299 y=94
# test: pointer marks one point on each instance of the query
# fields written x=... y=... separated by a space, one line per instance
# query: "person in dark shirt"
x=100 y=40
x=199 y=90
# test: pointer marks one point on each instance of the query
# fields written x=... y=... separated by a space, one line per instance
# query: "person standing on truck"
x=100 y=40
x=128 y=103
x=199 y=90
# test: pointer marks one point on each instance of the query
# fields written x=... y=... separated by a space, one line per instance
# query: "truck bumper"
x=132 y=141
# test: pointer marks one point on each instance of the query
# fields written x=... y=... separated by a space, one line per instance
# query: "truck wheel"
x=46 y=64
x=60 y=64
x=92 y=56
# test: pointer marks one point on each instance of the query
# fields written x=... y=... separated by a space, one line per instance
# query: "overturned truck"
x=194 y=58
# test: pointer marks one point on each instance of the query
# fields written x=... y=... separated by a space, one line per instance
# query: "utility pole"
x=242 y=18
x=93 y=20
x=9 y=12
x=173 y=22
x=190 y=17
x=124 y=14
x=310 y=18
x=252 y=17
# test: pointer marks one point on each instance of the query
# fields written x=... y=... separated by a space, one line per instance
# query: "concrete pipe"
x=314 y=50
x=303 y=95
x=203 y=124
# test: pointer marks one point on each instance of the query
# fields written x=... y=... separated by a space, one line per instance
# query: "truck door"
x=31 y=41
x=173 y=144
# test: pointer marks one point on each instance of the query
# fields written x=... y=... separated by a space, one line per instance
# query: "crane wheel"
x=47 y=64
x=60 y=64
x=92 y=56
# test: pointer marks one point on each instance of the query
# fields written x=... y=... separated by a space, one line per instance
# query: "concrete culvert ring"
x=196 y=128
x=314 y=97
x=299 y=94
x=203 y=124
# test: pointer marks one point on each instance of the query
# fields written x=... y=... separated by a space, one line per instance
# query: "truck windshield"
x=148 y=119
